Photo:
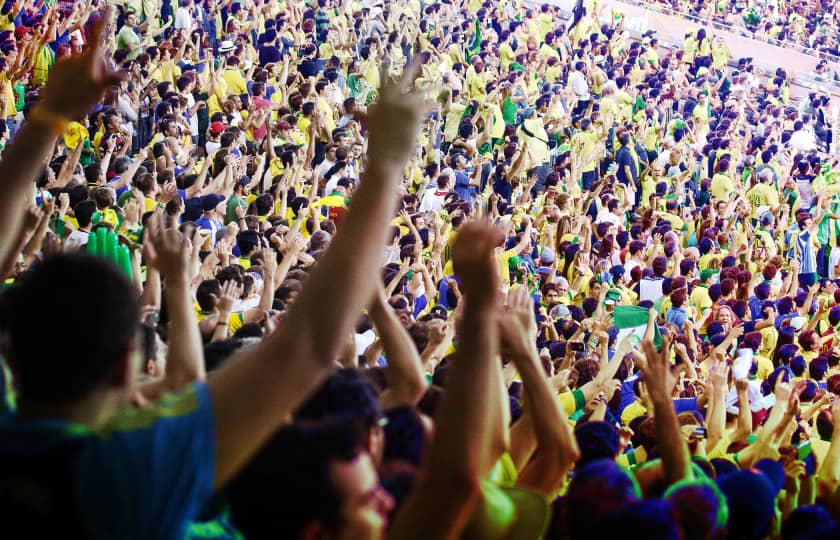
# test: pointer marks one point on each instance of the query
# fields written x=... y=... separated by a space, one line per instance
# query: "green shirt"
x=232 y=204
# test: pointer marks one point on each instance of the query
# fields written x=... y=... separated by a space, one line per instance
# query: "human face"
x=113 y=124
x=725 y=318
x=366 y=503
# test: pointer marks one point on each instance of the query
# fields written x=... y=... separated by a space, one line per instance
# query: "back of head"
x=808 y=522
x=652 y=519
x=346 y=395
x=751 y=501
x=700 y=508
x=288 y=484
x=598 y=488
x=83 y=350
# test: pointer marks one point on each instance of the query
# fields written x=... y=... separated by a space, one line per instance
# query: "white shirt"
x=803 y=140
x=78 y=238
x=183 y=19
x=432 y=200
x=605 y=216
x=833 y=261
x=580 y=85
x=212 y=147
x=323 y=167
x=629 y=266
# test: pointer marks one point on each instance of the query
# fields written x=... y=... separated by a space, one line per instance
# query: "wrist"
x=525 y=357
x=46 y=116
x=178 y=281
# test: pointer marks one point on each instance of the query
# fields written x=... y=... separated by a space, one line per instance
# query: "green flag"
x=633 y=320
x=475 y=48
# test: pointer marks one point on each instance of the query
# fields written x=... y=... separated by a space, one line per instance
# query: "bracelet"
x=54 y=122
x=222 y=323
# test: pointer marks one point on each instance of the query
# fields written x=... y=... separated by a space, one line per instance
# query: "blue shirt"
x=625 y=157
x=208 y=224
x=755 y=304
x=145 y=475
x=462 y=186
x=676 y=315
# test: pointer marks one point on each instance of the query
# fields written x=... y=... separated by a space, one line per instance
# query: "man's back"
x=144 y=476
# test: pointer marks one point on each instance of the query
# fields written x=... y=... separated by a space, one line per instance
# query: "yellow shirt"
x=632 y=411
x=235 y=81
x=167 y=71
x=700 y=299
x=722 y=186
x=506 y=55
x=583 y=143
x=8 y=94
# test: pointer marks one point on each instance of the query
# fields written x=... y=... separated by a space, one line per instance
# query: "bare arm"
x=406 y=380
x=169 y=252
x=460 y=455
x=556 y=449
x=275 y=388
x=660 y=381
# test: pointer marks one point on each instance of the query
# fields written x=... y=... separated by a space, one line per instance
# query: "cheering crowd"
x=368 y=269
x=812 y=24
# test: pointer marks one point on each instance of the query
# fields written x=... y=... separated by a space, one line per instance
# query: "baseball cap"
x=560 y=311
x=774 y=472
x=547 y=256
x=798 y=322
x=209 y=202
x=217 y=127
x=706 y=274
x=282 y=124
x=21 y=31
x=766 y=219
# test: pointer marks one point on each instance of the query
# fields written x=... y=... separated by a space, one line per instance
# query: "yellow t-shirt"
x=235 y=81
x=722 y=186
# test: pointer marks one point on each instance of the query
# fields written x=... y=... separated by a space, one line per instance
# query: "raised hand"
x=517 y=325
x=474 y=260
x=269 y=262
x=393 y=122
x=660 y=379
x=231 y=292
x=166 y=249
x=76 y=83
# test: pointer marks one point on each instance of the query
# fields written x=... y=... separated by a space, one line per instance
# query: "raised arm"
x=75 y=84
x=659 y=381
x=406 y=380
x=556 y=449
x=169 y=253
x=460 y=455
x=266 y=382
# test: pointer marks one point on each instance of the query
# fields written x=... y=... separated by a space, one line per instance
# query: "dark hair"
x=296 y=456
x=345 y=395
x=69 y=365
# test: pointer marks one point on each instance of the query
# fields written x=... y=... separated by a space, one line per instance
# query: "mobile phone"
x=577 y=346
x=699 y=433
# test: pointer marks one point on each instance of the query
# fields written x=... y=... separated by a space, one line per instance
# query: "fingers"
x=97 y=41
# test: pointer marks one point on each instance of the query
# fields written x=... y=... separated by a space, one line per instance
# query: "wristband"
x=54 y=122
